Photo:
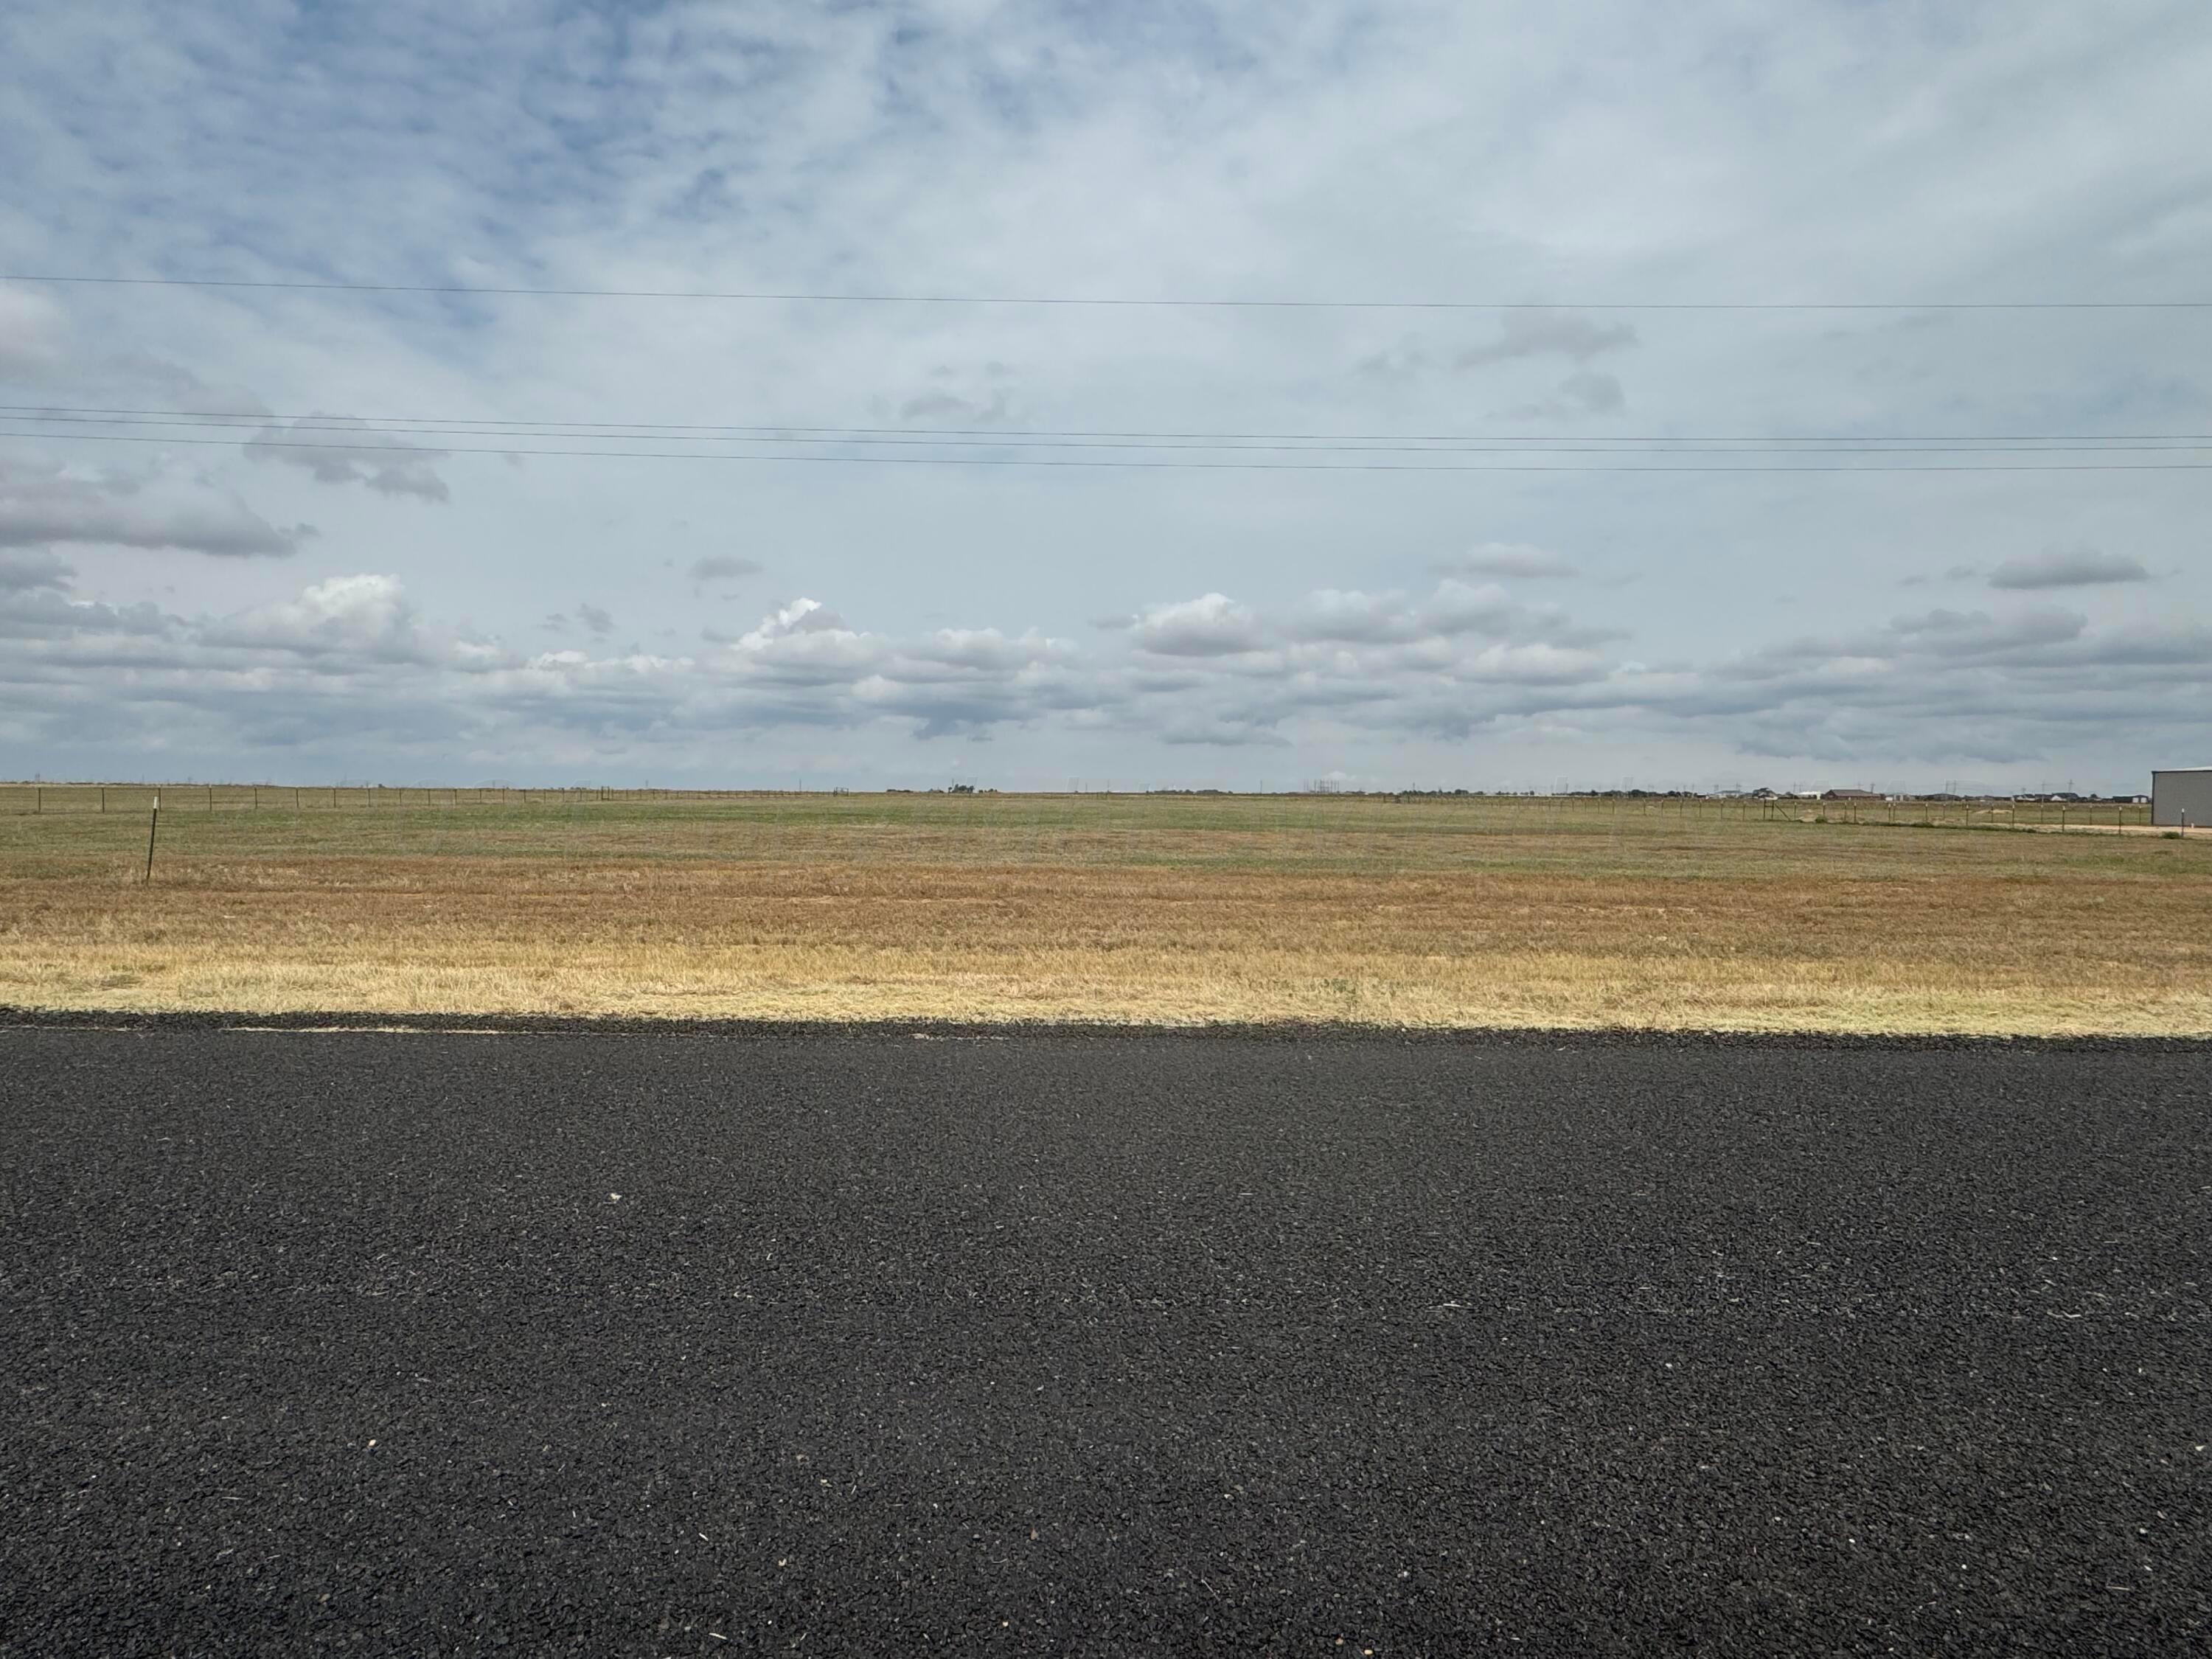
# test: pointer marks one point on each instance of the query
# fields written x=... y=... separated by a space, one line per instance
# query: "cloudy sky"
x=1690 y=447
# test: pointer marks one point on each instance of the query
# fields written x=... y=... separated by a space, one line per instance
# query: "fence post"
x=153 y=829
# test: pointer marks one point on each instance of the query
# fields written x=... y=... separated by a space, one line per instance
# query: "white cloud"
x=315 y=668
x=987 y=648
x=52 y=505
x=1211 y=625
x=802 y=616
x=1362 y=618
x=365 y=618
x=1536 y=663
x=804 y=643
x=1456 y=608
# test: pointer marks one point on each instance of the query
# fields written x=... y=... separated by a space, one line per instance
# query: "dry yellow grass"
x=1438 y=914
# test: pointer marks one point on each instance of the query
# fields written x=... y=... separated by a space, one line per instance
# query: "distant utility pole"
x=153 y=829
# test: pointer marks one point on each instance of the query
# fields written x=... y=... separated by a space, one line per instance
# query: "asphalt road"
x=1062 y=1343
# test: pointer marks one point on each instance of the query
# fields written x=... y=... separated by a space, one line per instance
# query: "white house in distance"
x=2182 y=798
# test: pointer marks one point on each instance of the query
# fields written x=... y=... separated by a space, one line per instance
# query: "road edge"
x=1500 y=1036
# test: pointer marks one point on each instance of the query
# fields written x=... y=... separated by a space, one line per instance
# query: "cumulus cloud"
x=1354 y=617
x=1211 y=625
x=1457 y=608
x=52 y=505
x=1383 y=667
x=1941 y=685
x=362 y=616
x=989 y=648
x=339 y=449
x=804 y=643
x=800 y=617
x=2079 y=566
x=1536 y=663
x=1385 y=662
x=353 y=647
x=1237 y=679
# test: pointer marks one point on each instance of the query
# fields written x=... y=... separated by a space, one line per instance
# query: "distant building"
x=1851 y=794
x=2182 y=798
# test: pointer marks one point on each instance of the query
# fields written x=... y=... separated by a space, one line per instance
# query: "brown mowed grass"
x=1155 y=910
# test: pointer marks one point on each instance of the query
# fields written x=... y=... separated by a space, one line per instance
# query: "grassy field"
x=1428 y=912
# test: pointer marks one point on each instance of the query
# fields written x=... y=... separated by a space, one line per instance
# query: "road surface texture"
x=1074 y=1343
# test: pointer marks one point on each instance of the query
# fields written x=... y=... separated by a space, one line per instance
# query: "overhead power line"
x=2029 y=463
x=369 y=426
x=262 y=429
x=1166 y=302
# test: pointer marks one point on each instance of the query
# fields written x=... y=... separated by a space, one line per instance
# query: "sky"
x=1537 y=499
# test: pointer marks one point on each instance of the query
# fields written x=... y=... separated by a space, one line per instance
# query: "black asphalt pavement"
x=1069 y=1343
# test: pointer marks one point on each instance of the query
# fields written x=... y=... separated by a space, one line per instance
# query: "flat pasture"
x=1423 y=911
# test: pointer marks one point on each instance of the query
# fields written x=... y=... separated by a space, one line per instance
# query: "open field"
x=1565 y=911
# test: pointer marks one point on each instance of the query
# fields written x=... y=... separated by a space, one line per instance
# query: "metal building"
x=2182 y=798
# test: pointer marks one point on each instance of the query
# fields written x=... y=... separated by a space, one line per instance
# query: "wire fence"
x=2024 y=811
x=138 y=798
x=223 y=830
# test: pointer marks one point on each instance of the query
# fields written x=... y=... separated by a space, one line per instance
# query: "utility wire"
x=808 y=296
x=995 y=437
x=1156 y=464
x=251 y=433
